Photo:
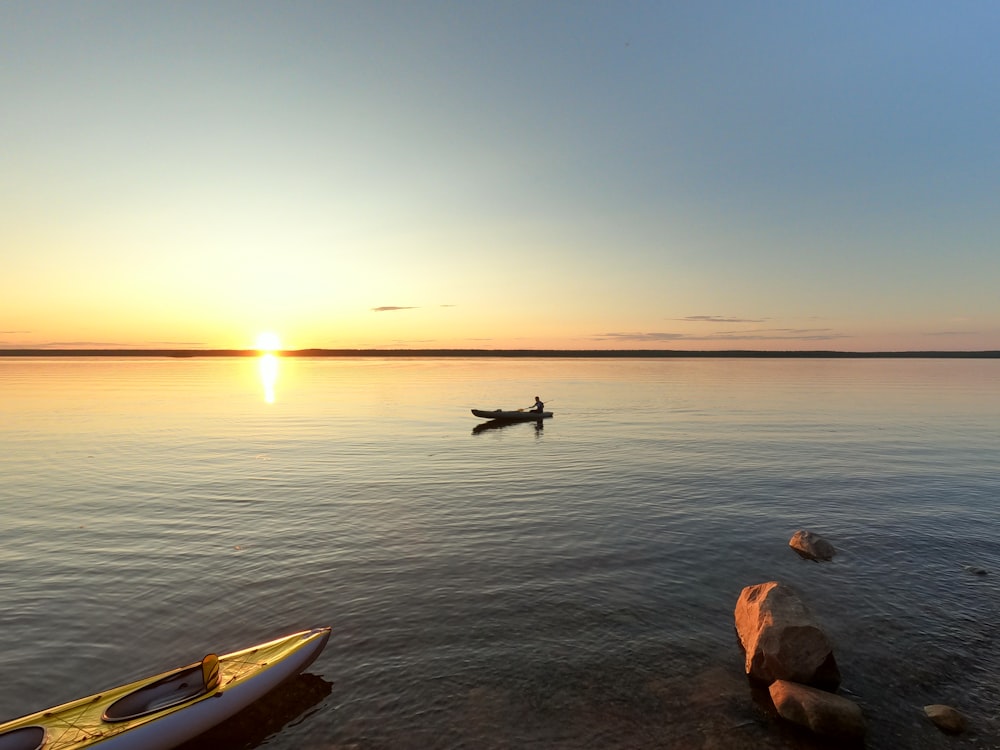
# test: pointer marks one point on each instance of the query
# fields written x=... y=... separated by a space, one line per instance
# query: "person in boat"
x=539 y=406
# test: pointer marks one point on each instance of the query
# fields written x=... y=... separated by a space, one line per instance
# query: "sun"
x=268 y=341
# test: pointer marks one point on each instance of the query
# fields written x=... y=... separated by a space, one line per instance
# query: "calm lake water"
x=569 y=585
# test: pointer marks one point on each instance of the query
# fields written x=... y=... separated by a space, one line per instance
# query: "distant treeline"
x=566 y=353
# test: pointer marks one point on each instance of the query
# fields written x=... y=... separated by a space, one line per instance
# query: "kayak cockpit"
x=179 y=687
x=25 y=738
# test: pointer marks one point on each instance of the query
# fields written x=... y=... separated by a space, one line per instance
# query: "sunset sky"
x=595 y=175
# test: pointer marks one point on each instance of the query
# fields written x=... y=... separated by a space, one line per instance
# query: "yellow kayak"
x=162 y=711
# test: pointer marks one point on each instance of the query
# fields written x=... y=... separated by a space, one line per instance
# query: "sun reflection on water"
x=267 y=365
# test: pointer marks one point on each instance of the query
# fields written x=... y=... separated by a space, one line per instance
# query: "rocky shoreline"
x=787 y=651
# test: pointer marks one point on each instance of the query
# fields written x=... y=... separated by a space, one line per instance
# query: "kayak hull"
x=511 y=416
x=244 y=677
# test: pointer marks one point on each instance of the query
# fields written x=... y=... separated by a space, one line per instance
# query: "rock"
x=976 y=571
x=946 y=718
x=781 y=638
x=811 y=546
x=821 y=712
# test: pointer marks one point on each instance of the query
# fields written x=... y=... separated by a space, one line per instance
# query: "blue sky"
x=772 y=175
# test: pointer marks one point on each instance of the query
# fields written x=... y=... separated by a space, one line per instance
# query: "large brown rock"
x=819 y=711
x=811 y=546
x=946 y=718
x=782 y=639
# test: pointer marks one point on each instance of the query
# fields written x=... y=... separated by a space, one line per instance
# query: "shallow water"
x=569 y=585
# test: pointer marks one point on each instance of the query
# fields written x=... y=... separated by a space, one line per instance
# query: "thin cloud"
x=87 y=344
x=652 y=336
x=777 y=332
x=394 y=308
x=719 y=319
x=773 y=334
x=104 y=345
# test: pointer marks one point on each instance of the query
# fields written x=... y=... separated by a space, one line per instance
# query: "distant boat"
x=519 y=415
x=162 y=711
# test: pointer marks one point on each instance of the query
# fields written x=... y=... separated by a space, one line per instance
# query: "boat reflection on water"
x=252 y=726
x=499 y=424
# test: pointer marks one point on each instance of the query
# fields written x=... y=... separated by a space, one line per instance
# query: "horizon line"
x=449 y=352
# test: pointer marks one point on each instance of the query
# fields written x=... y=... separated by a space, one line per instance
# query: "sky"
x=772 y=175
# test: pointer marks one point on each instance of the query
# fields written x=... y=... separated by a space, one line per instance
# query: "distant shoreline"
x=523 y=353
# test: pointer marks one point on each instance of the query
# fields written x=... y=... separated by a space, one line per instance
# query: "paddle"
x=531 y=408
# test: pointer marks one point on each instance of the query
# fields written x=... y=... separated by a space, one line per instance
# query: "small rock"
x=946 y=718
x=782 y=639
x=824 y=713
x=811 y=546
x=974 y=570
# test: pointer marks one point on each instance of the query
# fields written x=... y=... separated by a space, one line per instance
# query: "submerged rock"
x=811 y=546
x=819 y=711
x=946 y=718
x=782 y=639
